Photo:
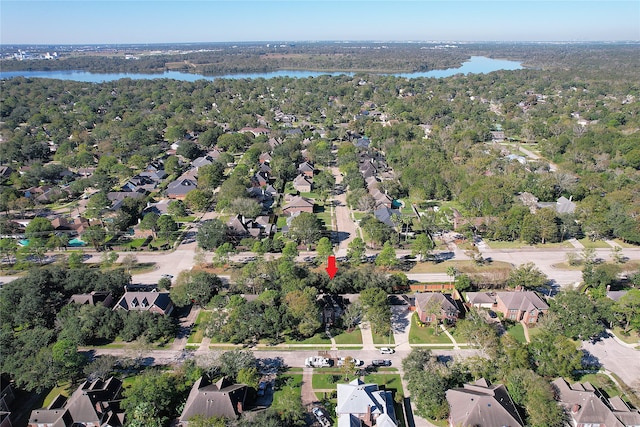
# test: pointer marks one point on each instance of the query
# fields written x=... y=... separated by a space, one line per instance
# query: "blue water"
x=476 y=65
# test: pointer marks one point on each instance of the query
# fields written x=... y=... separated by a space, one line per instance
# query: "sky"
x=178 y=21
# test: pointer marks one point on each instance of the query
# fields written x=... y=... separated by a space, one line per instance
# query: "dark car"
x=381 y=362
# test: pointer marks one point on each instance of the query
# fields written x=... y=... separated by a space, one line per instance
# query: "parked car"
x=381 y=362
x=167 y=276
x=387 y=350
x=356 y=362
x=321 y=417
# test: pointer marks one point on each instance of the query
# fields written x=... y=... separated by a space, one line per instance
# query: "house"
x=265 y=158
x=94 y=298
x=160 y=208
x=298 y=204
x=448 y=310
x=385 y=215
x=265 y=169
x=117 y=197
x=306 y=169
x=302 y=184
x=92 y=404
x=479 y=404
x=497 y=136
x=260 y=179
x=221 y=399
x=202 y=161
x=179 y=188
x=521 y=306
x=7 y=397
x=153 y=301
x=382 y=199
x=586 y=406
x=361 y=404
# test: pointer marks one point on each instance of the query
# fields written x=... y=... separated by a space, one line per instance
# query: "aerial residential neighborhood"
x=350 y=250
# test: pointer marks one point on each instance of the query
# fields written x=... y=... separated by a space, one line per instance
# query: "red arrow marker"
x=331 y=267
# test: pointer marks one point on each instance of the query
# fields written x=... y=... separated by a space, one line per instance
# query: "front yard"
x=425 y=335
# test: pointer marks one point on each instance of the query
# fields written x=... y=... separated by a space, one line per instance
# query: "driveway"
x=619 y=359
x=401 y=323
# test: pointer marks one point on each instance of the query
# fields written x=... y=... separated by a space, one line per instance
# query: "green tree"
x=176 y=208
x=194 y=287
x=245 y=206
x=387 y=256
x=356 y=251
x=198 y=200
x=290 y=250
x=376 y=309
x=97 y=205
x=574 y=315
x=95 y=235
x=211 y=234
x=628 y=307
x=166 y=227
x=305 y=228
x=422 y=245
x=554 y=355
x=324 y=248
x=210 y=176
x=527 y=276
x=38 y=228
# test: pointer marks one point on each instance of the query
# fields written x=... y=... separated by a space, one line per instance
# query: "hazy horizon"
x=99 y=22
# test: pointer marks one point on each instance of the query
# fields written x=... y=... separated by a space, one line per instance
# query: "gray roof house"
x=384 y=214
x=364 y=404
x=482 y=405
x=179 y=188
x=92 y=404
x=153 y=301
x=585 y=405
x=222 y=399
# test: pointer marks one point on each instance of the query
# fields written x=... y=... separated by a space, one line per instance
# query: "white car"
x=387 y=350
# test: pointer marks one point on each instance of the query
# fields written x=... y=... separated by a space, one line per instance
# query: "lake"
x=476 y=65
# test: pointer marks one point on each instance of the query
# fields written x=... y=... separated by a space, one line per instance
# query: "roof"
x=522 y=300
x=93 y=402
x=144 y=301
x=384 y=214
x=616 y=295
x=298 y=202
x=447 y=304
x=95 y=297
x=585 y=404
x=220 y=399
x=202 y=161
x=301 y=180
x=181 y=186
x=479 y=404
x=359 y=399
x=564 y=205
x=481 y=298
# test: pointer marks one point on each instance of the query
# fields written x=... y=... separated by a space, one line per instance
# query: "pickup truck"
x=317 y=362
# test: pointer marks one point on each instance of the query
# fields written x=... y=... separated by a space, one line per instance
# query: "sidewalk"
x=622 y=343
x=453 y=340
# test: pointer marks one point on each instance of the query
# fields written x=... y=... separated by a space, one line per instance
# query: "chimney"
x=239 y=405
x=575 y=409
x=608 y=288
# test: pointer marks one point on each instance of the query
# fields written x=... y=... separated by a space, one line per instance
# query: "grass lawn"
x=566 y=266
x=628 y=338
x=136 y=243
x=425 y=335
x=185 y=218
x=325 y=217
x=353 y=337
x=327 y=379
x=318 y=338
x=500 y=244
x=197 y=333
x=358 y=215
x=624 y=244
x=63 y=389
x=598 y=244
x=466 y=267
x=517 y=331
x=533 y=331
x=383 y=340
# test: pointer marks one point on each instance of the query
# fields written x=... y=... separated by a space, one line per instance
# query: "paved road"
x=345 y=227
x=615 y=357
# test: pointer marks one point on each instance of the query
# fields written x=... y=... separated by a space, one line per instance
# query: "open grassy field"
x=465 y=267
